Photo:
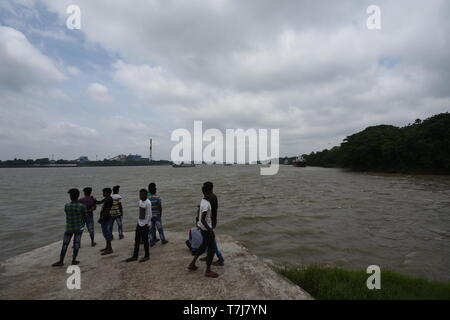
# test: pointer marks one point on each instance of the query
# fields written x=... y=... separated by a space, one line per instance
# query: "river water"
x=300 y=216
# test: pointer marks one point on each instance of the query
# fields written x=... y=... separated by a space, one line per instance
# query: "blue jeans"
x=216 y=249
x=76 y=243
x=117 y=218
x=107 y=229
x=90 y=225
x=156 y=224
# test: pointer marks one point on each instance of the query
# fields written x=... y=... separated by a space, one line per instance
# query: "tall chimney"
x=150 y=156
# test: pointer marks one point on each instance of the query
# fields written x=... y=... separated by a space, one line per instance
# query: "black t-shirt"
x=212 y=198
x=214 y=203
x=107 y=205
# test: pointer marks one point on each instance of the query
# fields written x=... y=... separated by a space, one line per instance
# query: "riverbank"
x=164 y=276
x=328 y=283
x=393 y=172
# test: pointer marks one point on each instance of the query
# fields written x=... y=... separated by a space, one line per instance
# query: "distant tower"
x=150 y=156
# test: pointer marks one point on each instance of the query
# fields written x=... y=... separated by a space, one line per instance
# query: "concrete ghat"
x=164 y=276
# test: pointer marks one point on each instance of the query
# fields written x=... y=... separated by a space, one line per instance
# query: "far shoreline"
x=349 y=170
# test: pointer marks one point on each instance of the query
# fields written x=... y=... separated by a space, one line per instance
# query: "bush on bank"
x=330 y=283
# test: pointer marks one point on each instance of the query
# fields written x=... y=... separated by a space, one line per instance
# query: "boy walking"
x=117 y=211
x=89 y=202
x=75 y=214
x=205 y=224
x=212 y=198
x=142 y=227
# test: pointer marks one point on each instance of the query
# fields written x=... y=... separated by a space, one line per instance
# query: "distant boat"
x=299 y=162
x=183 y=165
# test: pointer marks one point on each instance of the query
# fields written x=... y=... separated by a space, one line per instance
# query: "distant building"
x=130 y=157
x=120 y=157
x=83 y=159
x=134 y=157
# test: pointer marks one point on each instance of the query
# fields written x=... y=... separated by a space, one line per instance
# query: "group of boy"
x=80 y=212
x=80 y=215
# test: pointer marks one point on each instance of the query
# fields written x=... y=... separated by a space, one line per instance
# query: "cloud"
x=98 y=92
x=41 y=138
x=22 y=65
x=260 y=45
x=132 y=132
x=51 y=34
x=69 y=131
x=158 y=86
x=73 y=71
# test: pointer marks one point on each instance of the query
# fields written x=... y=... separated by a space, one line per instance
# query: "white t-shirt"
x=205 y=206
x=145 y=212
x=116 y=196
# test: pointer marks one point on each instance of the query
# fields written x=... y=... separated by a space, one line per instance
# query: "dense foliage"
x=423 y=146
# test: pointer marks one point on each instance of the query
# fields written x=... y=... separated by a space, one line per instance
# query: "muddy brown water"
x=300 y=216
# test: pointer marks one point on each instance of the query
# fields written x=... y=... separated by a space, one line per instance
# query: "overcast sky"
x=140 y=69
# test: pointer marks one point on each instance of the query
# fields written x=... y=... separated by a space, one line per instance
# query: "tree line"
x=21 y=163
x=420 y=147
